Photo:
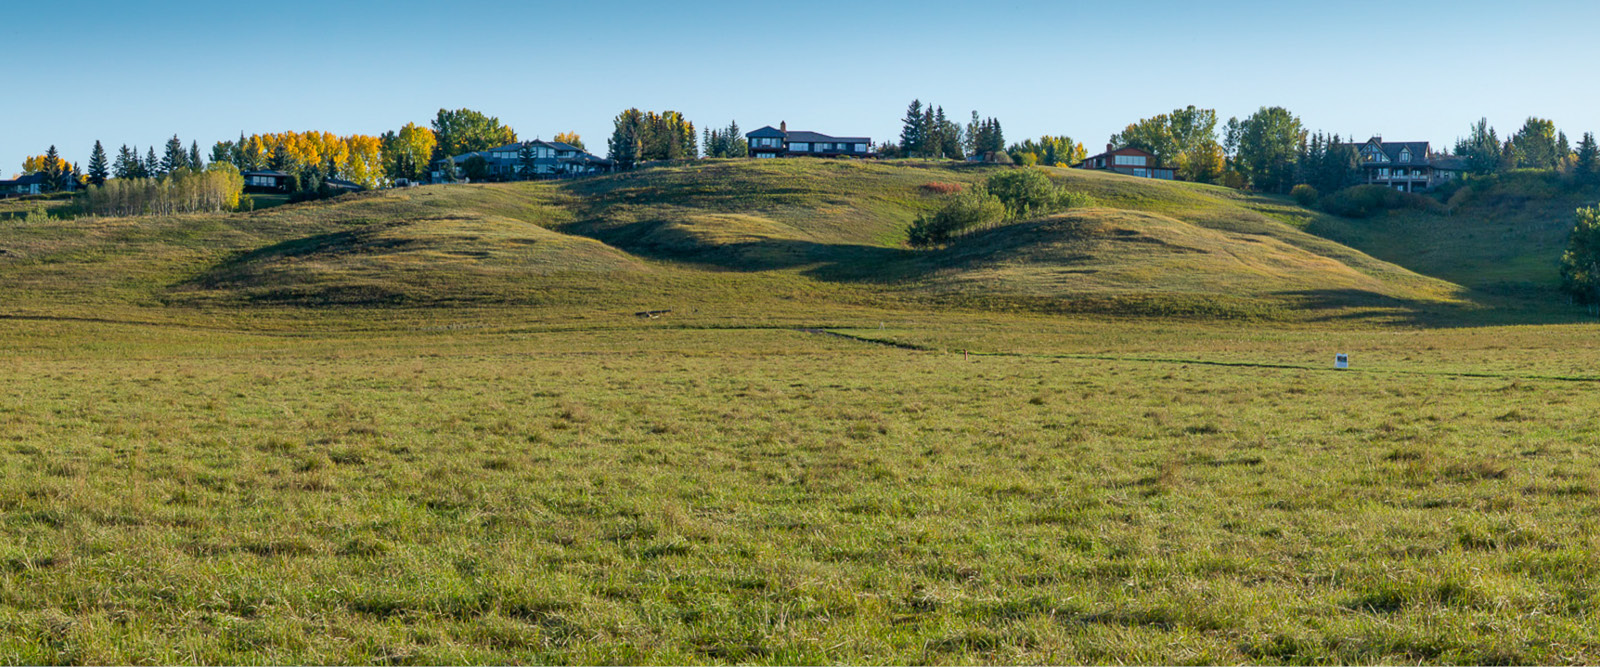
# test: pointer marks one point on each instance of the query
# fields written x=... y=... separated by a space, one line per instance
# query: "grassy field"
x=427 y=427
x=665 y=494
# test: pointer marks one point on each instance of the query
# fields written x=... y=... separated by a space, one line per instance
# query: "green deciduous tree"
x=1535 y=144
x=466 y=131
x=1268 y=143
x=1580 y=264
x=1185 y=139
x=1050 y=151
x=407 y=153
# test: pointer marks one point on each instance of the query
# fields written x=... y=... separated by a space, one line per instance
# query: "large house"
x=1130 y=161
x=551 y=159
x=265 y=181
x=772 y=142
x=1408 y=166
x=29 y=184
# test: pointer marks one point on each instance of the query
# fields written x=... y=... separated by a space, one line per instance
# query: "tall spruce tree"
x=1588 y=164
x=98 y=171
x=174 y=158
x=195 y=162
x=152 y=164
x=126 y=164
x=913 y=131
x=53 y=171
x=527 y=162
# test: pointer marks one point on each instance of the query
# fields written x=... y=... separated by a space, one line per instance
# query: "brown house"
x=1130 y=161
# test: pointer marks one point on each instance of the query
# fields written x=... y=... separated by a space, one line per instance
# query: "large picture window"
x=1130 y=160
x=800 y=148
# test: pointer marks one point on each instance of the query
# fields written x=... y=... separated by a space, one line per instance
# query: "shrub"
x=1023 y=191
x=1364 y=201
x=1304 y=194
x=966 y=211
x=940 y=188
x=1071 y=199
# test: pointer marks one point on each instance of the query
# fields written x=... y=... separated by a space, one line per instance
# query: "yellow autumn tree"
x=571 y=139
x=37 y=163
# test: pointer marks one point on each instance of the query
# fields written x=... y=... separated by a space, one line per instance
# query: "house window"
x=1130 y=160
x=1405 y=155
x=861 y=148
x=800 y=148
x=1140 y=172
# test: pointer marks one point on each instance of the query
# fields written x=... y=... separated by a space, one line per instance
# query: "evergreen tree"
x=970 y=137
x=1588 y=164
x=913 y=131
x=194 y=156
x=734 y=142
x=527 y=163
x=1508 y=157
x=222 y=152
x=1481 y=148
x=152 y=165
x=125 y=167
x=98 y=171
x=78 y=179
x=627 y=134
x=174 y=158
x=53 y=172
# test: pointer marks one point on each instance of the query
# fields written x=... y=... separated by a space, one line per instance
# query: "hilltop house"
x=265 y=181
x=1130 y=161
x=552 y=159
x=1409 y=166
x=772 y=142
x=28 y=184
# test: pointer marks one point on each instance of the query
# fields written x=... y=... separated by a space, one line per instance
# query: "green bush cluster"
x=1363 y=201
x=1012 y=194
x=965 y=211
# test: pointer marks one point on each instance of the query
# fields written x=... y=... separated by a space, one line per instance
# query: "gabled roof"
x=1392 y=149
x=26 y=179
x=766 y=132
x=264 y=172
x=1125 y=150
x=814 y=137
x=563 y=147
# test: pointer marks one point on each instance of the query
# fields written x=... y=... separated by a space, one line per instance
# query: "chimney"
x=1110 y=147
x=783 y=126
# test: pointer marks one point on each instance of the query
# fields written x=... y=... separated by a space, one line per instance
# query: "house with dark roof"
x=1408 y=166
x=266 y=181
x=551 y=159
x=1130 y=161
x=773 y=142
x=27 y=184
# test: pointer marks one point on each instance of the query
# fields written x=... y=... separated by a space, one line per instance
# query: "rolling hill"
x=742 y=239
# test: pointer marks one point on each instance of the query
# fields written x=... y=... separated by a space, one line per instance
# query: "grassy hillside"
x=1503 y=235
x=739 y=239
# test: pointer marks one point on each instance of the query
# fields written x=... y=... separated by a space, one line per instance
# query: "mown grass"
x=639 y=494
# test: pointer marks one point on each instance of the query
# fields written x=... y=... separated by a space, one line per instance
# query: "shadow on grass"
x=1476 y=308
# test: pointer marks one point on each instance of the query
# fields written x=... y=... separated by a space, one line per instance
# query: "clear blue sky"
x=137 y=72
